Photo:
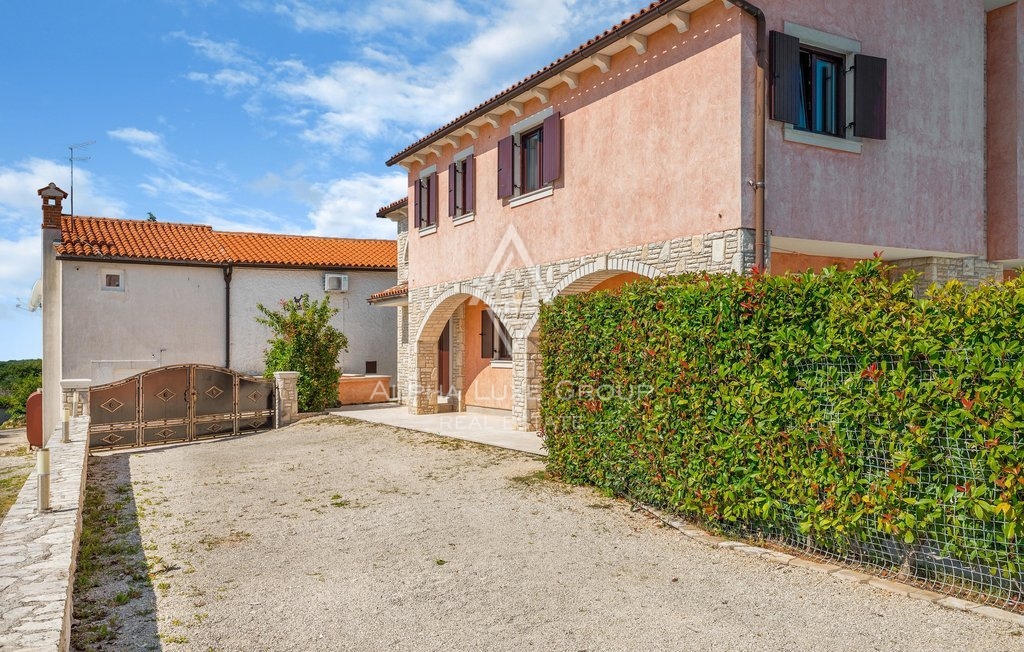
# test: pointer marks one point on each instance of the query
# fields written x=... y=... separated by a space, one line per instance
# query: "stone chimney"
x=52 y=197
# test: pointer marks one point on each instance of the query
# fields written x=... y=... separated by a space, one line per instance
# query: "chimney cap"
x=52 y=192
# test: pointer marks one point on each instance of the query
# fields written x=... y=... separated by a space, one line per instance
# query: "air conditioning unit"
x=335 y=282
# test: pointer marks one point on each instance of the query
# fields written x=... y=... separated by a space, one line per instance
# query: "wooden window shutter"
x=469 y=183
x=551 y=162
x=869 y=90
x=486 y=335
x=432 y=199
x=506 y=156
x=417 y=202
x=784 y=78
x=452 y=197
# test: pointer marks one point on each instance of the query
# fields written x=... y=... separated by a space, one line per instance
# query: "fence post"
x=286 y=397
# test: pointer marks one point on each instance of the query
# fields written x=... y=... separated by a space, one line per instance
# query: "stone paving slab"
x=38 y=551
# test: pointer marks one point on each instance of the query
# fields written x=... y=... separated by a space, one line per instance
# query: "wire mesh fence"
x=944 y=488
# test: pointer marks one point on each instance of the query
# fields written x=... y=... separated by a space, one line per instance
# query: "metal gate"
x=176 y=404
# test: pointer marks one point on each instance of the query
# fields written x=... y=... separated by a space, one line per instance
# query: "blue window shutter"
x=869 y=96
x=506 y=183
x=784 y=78
x=551 y=156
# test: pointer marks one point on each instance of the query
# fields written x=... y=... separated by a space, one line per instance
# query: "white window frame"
x=842 y=46
x=104 y=273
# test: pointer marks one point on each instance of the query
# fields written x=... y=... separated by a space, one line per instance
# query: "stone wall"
x=515 y=296
x=970 y=271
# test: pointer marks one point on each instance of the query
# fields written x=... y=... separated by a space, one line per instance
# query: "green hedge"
x=832 y=411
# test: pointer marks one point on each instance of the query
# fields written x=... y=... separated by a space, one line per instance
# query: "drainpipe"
x=760 y=121
x=227 y=316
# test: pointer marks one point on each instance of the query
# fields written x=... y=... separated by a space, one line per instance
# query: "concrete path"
x=338 y=535
x=469 y=426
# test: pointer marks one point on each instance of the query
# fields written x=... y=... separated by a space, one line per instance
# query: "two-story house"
x=710 y=135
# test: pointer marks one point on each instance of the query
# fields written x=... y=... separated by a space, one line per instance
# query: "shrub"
x=305 y=341
x=833 y=411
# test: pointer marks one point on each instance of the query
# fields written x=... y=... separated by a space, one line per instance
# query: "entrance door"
x=444 y=361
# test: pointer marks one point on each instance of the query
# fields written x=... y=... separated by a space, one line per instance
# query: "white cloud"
x=171 y=186
x=370 y=17
x=347 y=207
x=223 y=52
x=147 y=144
x=230 y=80
x=20 y=206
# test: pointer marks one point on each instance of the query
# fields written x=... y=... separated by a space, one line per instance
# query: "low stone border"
x=38 y=551
x=696 y=534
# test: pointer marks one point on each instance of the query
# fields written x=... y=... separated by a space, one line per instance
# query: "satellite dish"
x=36 y=299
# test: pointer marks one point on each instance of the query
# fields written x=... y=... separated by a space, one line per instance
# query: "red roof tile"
x=393 y=206
x=399 y=290
x=107 y=238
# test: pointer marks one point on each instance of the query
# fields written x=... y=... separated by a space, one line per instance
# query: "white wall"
x=167 y=314
x=172 y=314
x=370 y=330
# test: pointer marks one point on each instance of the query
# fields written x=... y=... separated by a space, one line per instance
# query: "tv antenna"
x=74 y=158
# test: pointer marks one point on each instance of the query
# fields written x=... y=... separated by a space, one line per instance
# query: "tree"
x=305 y=341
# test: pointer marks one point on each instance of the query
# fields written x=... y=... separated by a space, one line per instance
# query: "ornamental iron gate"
x=176 y=404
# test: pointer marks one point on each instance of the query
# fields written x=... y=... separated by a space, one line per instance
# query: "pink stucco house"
x=707 y=135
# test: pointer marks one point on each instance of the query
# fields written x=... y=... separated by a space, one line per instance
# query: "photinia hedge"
x=835 y=412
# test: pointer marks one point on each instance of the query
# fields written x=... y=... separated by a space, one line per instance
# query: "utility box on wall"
x=335 y=282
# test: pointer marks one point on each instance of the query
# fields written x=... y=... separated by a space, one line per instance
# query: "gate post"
x=286 y=397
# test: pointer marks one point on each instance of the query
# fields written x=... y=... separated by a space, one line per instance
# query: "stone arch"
x=423 y=392
x=580 y=280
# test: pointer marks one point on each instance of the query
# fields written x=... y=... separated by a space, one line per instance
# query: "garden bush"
x=834 y=412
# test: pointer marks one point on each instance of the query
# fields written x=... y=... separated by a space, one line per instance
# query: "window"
x=371 y=366
x=112 y=280
x=822 y=86
x=530 y=158
x=425 y=199
x=495 y=342
x=462 y=185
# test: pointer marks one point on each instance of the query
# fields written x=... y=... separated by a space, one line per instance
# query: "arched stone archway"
x=583 y=279
x=447 y=307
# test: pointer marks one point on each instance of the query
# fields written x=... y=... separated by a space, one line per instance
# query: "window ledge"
x=427 y=230
x=463 y=219
x=501 y=364
x=794 y=135
x=540 y=193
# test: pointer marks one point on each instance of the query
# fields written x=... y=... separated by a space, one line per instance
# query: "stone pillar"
x=423 y=393
x=286 y=397
x=75 y=395
x=457 y=360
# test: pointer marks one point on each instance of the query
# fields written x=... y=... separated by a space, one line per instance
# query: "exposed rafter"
x=473 y=131
x=493 y=119
x=570 y=78
x=517 y=108
x=542 y=94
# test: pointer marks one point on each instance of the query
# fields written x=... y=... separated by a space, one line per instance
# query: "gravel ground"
x=339 y=535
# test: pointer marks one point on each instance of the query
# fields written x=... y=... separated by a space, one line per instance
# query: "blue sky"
x=256 y=115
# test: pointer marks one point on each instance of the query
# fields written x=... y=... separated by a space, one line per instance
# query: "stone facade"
x=515 y=296
x=970 y=271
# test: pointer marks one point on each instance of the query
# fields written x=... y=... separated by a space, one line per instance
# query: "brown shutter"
x=451 y=191
x=417 y=202
x=505 y=158
x=432 y=199
x=551 y=161
x=486 y=335
x=469 y=183
x=784 y=78
x=869 y=90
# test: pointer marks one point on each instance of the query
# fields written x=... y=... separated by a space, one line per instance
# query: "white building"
x=121 y=296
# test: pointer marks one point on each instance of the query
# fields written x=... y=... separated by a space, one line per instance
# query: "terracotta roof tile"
x=393 y=206
x=398 y=290
x=101 y=237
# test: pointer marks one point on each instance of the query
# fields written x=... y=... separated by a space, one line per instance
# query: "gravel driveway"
x=339 y=535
